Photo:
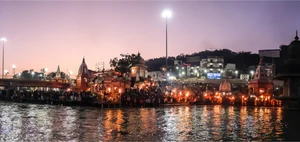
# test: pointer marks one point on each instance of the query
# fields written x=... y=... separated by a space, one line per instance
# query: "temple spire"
x=296 y=37
x=83 y=60
x=58 y=72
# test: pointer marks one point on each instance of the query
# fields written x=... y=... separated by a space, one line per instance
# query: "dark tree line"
x=242 y=59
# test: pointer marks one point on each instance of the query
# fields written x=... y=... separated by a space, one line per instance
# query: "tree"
x=124 y=64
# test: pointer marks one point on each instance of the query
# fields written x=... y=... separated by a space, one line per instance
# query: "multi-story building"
x=215 y=64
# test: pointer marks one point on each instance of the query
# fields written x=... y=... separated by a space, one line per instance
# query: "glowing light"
x=120 y=90
x=3 y=39
x=108 y=89
x=13 y=66
x=187 y=94
x=167 y=14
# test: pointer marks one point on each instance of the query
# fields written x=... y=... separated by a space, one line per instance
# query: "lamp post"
x=32 y=74
x=236 y=74
x=3 y=39
x=6 y=73
x=252 y=74
x=167 y=14
x=14 y=69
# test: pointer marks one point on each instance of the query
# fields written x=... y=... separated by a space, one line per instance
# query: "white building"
x=156 y=75
x=215 y=64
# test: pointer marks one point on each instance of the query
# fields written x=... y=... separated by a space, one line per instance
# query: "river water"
x=28 y=122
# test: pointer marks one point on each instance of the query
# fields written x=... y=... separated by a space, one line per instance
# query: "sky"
x=45 y=34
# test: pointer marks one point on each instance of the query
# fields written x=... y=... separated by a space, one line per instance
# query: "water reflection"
x=22 y=122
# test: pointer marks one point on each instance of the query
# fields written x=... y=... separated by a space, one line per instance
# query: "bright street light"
x=166 y=14
x=14 y=69
x=3 y=39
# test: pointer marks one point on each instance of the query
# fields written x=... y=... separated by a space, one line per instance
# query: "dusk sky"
x=47 y=34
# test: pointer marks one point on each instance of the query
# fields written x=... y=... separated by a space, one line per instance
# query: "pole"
x=3 y=62
x=166 y=47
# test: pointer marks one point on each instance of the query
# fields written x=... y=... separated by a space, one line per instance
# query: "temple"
x=58 y=76
x=261 y=86
x=83 y=77
x=139 y=70
x=290 y=74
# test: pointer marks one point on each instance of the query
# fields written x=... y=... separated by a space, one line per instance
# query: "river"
x=29 y=122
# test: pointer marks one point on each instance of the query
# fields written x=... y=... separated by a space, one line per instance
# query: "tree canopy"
x=126 y=61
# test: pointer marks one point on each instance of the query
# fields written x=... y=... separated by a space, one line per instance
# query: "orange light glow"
x=245 y=99
x=120 y=90
x=108 y=89
x=187 y=94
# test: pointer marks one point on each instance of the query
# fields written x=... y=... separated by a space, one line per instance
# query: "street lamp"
x=167 y=14
x=236 y=74
x=14 y=69
x=32 y=74
x=252 y=73
x=3 y=39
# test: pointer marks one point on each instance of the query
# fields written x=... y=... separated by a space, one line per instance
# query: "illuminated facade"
x=261 y=84
x=139 y=70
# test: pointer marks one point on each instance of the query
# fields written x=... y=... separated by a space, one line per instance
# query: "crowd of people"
x=146 y=96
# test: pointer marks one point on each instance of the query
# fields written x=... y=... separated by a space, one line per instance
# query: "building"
x=57 y=76
x=261 y=85
x=139 y=71
x=290 y=74
x=215 y=64
x=83 y=77
x=156 y=75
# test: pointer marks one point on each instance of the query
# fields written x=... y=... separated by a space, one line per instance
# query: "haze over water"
x=25 y=122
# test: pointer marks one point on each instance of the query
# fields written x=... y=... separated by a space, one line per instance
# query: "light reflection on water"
x=23 y=122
